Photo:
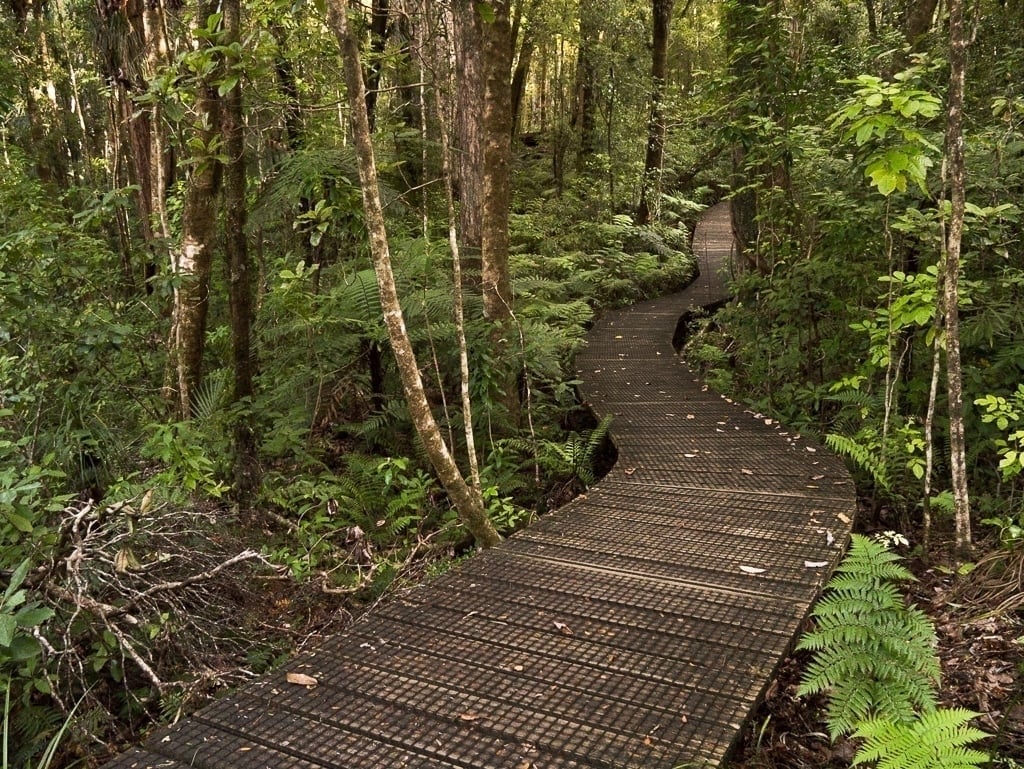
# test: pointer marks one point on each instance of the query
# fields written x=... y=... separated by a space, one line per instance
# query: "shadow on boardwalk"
x=636 y=627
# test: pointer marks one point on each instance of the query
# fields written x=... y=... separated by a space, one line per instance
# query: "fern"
x=867 y=458
x=210 y=396
x=874 y=655
x=937 y=740
x=577 y=455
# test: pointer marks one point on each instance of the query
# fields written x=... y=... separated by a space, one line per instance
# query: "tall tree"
x=524 y=30
x=467 y=499
x=192 y=258
x=496 y=278
x=236 y=251
x=469 y=120
x=951 y=295
x=585 y=117
x=654 y=160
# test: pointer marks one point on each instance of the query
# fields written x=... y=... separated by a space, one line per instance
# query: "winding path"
x=635 y=628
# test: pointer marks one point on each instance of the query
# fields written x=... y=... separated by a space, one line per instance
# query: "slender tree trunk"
x=469 y=101
x=238 y=263
x=522 y=69
x=586 y=82
x=378 y=41
x=869 y=6
x=191 y=260
x=497 y=128
x=467 y=500
x=957 y=175
x=654 y=161
x=460 y=321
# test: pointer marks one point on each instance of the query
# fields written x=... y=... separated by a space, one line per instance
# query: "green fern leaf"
x=937 y=740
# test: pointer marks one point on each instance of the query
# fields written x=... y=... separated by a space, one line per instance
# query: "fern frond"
x=937 y=740
x=871 y=560
x=864 y=457
x=874 y=656
x=210 y=395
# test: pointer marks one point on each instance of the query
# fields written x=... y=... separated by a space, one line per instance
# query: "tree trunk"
x=957 y=175
x=191 y=260
x=469 y=98
x=651 y=184
x=238 y=263
x=495 y=276
x=919 y=22
x=467 y=500
x=378 y=41
x=586 y=77
x=522 y=69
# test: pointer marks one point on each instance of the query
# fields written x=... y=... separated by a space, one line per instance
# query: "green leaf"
x=226 y=85
x=34 y=616
x=7 y=627
x=19 y=522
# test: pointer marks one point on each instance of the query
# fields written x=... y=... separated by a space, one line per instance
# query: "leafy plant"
x=49 y=753
x=881 y=110
x=577 y=455
x=874 y=656
x=937 y=739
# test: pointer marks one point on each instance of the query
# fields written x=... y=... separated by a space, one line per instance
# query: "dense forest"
x=290 y=292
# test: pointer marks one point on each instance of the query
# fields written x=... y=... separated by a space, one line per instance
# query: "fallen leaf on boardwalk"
x=830 y=538
x=768 y=421
x=817 y=477
x=746 y=472
x=563 y=628
x=690 y=416
x=689 y=456
x=518 y=668
x=810 y=449
x=524 y=765
x=843 y=517
x=682 y=718
x=630 y=470
x=647 y=740
x=469 y=715
x=815 y=564
x=752 y=570
x=301 y=679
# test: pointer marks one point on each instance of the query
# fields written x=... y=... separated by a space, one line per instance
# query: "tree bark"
x=957 y=177
x=467 y=500
x=654 y=161
x=191 y=260
x=586 y=76
x=497 y=128
x=919 y=22
x=469 y=98
x=522 y=68
x=378 y=41
x=238 y=263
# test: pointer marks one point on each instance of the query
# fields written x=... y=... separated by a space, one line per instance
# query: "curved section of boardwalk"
x=635 y=628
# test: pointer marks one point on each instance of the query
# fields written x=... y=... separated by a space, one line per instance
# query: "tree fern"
x=937 y=740
x=874 y=656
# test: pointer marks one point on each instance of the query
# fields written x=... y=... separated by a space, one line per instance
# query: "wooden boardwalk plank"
x=635 y=628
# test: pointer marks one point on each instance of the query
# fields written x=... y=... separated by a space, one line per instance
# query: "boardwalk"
x=635 y=628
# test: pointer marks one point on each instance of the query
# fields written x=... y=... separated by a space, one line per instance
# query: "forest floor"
x=979 y=623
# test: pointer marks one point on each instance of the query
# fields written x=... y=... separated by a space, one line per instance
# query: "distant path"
x=635 y=628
